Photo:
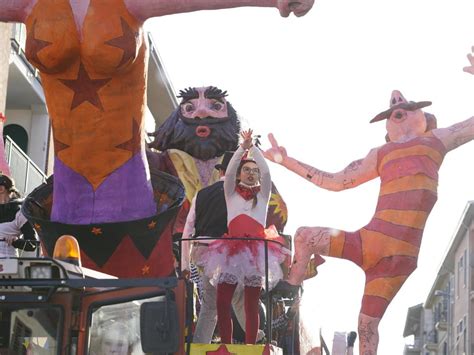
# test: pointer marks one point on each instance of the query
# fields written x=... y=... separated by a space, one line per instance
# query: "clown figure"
x=193 y=140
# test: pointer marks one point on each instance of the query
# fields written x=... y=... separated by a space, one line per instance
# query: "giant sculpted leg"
x=308 y=241
x=368 y=334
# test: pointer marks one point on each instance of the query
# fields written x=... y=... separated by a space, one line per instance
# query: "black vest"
x=8 y=210
x=8 y=213
x=211 y=211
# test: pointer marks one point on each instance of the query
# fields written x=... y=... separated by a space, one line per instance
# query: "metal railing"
x=24 y=171
x=268 y=293
x=18 y=42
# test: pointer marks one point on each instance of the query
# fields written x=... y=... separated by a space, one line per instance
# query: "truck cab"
x=53 y=307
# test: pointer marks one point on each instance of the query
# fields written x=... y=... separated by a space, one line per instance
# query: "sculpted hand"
x=246 y=139
x=298 y=7
x=470 y=68
x=276 y=153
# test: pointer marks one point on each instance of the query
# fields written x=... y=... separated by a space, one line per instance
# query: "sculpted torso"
x=92 y=58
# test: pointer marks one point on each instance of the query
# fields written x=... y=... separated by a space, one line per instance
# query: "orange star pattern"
x=37 y=227
x=151 y=225
x=58 y=146
x=127 y=42
x=145 y=270
x=34 y=46
x=85 y=88
x=96 y=231
x=133 y=144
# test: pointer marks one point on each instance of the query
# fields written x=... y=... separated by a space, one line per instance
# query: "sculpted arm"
x=461 y=132
x=457 y=134
x=356 y=173
x=15 y=10
x=144 y=9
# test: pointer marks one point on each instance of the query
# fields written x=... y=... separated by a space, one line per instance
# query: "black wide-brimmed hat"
x=397 y=101
x=225 y=161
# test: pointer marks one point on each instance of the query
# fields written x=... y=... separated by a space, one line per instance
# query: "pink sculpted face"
x=204 y=106
x=403 y=124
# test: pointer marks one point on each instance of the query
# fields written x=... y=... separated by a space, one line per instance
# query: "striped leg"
x=383 y=281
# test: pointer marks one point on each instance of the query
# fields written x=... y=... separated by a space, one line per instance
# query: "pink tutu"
x=243 y=261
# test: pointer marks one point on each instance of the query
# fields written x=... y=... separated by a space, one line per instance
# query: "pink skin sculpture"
x=18 y=10
x=387 y=248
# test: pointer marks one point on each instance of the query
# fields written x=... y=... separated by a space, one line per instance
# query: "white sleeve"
x=265 y=178
x=231 y=172
x=188 y=233
x=20 y=219
x=13 y=227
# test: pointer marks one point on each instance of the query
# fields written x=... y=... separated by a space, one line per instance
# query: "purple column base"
x=125 y=195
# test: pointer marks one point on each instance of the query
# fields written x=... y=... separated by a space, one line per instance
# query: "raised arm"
x=265 y=178
x=461 y=132
x=231 y=171
x=145 y=9
x=356 y=173
x=457 y=134
x=15 y=10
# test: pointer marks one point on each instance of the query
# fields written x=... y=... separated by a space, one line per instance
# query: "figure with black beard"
x=193 y=140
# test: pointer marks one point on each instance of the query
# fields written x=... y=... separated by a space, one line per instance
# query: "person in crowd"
x=114 y=338
x=351 y=338
x=207 y=218
x=233 y=263
x=15 y=231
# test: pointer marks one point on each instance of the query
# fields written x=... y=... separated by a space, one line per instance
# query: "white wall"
x=4 y=57
x=36 y=124
x=37 y=150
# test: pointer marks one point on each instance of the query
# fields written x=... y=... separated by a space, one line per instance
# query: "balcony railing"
x=25 y=172
x=441 y=325
x=18 y=41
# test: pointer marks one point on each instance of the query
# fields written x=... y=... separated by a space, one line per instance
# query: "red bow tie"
x=247 y=192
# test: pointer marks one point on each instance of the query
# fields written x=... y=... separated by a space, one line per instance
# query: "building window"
x=18 y=134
